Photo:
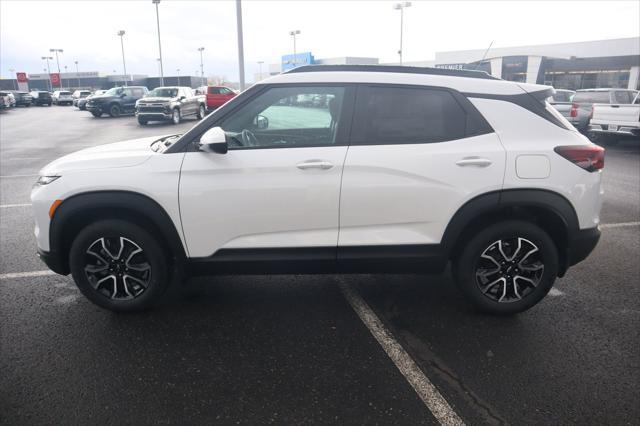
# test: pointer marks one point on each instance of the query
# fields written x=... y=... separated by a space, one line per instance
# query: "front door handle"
x=474 y=161
x=315 y=164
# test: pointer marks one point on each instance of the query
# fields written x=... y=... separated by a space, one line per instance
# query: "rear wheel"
x=119 y=265
x=507 y=267
x=201 y=112
x=114 y=110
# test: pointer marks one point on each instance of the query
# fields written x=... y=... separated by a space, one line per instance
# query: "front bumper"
x=53 y=262
x=94 y=107
x=155 y=116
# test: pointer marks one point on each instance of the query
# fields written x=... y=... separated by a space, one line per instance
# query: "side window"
x=214 y=91
x=621 y=97
x=286 y=117
x=127 y=92
x=137 y=93
x=405 y=115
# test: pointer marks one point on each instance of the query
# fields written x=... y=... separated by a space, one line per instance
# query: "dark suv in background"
x=116 y=101
x=41 y=97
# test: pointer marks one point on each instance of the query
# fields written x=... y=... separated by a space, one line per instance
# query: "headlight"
x=46 y=180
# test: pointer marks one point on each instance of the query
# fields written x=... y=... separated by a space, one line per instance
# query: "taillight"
x=588 y=157
x=574 y=110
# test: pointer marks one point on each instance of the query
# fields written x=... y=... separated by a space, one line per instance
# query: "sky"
x=87 y=31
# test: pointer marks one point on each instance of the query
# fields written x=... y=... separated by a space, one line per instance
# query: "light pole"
x=158 y=60
x=124 y=65
x=294 y=34
x=178 y=71
x=11 y=70
x=401 y=7
x=200 y=49
x=77 y=73
x=240 y=43
x=65 y=71
x=49 y=71
x=157 y=2
x=260 y=65
x=58 y=62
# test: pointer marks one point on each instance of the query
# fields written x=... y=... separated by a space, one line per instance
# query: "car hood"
x=120 y=154
x=156 y=99
x=99 y=98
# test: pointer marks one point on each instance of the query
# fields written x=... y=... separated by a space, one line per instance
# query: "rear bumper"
x=581 y=244
x=53 y=262
x=615 y=129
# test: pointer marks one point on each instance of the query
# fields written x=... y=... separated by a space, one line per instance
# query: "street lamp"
x=48 y=70
x=294 y=34
x=401 y=7
x=159 y=69
x=77 y=73
x=65 y=71
x=11 y=70
x=124 y=65
x=157 y=2
x=200 y=49
x=178 y=71
x=260 y=65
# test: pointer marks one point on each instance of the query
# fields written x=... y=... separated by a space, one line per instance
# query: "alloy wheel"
x=117 y=268
x=509 y=270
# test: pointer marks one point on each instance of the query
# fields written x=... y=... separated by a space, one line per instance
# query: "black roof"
x=394 y=69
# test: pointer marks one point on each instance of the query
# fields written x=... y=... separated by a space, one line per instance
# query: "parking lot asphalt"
x=291 y=349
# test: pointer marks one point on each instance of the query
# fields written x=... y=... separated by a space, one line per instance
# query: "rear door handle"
x=474 y=161
x=315 y=164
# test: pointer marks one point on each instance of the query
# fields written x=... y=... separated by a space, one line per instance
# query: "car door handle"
x=474 y=161
x=315 y=164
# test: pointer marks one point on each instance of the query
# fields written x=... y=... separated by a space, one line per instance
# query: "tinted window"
x=600 y=97
x=621 y=97
x=214 y=91
x=286 y=117
x=137 y=92
x=388 y=115
x=562 y=96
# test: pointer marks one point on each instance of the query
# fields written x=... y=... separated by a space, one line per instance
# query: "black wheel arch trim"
x=75 y=207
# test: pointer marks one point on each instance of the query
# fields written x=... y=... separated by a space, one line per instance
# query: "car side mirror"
x=122 y=95
x=214 y=140
x=182 y=98
x=261 y=122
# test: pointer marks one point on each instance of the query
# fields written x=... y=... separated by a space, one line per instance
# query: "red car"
x=216 y=95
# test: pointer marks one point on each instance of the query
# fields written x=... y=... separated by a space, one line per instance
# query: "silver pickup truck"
x=584 y=99
x=612 y=122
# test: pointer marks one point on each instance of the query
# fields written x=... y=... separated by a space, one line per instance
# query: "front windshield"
x=114 y=91
x=164 y=92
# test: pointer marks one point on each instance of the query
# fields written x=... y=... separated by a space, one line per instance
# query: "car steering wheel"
x=249 y=139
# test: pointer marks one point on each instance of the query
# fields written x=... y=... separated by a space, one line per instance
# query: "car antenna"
x=483 y=56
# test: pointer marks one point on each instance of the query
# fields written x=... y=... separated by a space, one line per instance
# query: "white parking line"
x=26 y=274
x=8 y=206
x=427 y=392
x=618 y=225
x=16 y=176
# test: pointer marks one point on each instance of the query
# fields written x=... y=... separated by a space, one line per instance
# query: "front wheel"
x=114 y=110
x=175 y=116
x=119 y=265
x=201 y=112
x=96 y=114
x=507 y=267
x=142 y=121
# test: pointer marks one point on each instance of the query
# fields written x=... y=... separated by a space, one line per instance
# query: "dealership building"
x=583 y=65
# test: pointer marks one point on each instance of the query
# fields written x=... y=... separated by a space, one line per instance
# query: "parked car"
x=583 y=100
x=12 y=99
x=62 y=97
x=561 y=101
x=40 y=97
x=216 y=95
x=402 y=171
x=116 y=101
x=22 y=98
x=82 y=102
x=5 y=100
x=612 y=122
x=170 y=104
x=80 y=94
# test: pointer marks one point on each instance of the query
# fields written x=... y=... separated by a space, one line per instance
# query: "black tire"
x=114 y=110
x=176 y=116
x=201 y=112
x=127 y=295
x=470 y=267
x=96 y=114
x=142 y=121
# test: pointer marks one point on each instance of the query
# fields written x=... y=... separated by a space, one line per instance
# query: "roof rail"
x=394 y=69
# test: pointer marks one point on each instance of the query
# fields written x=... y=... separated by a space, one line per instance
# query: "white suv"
x=389 y=169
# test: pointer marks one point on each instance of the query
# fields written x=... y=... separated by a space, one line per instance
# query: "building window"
x=616 y=79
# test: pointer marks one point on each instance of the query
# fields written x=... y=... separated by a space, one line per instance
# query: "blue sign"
x=291 y=61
